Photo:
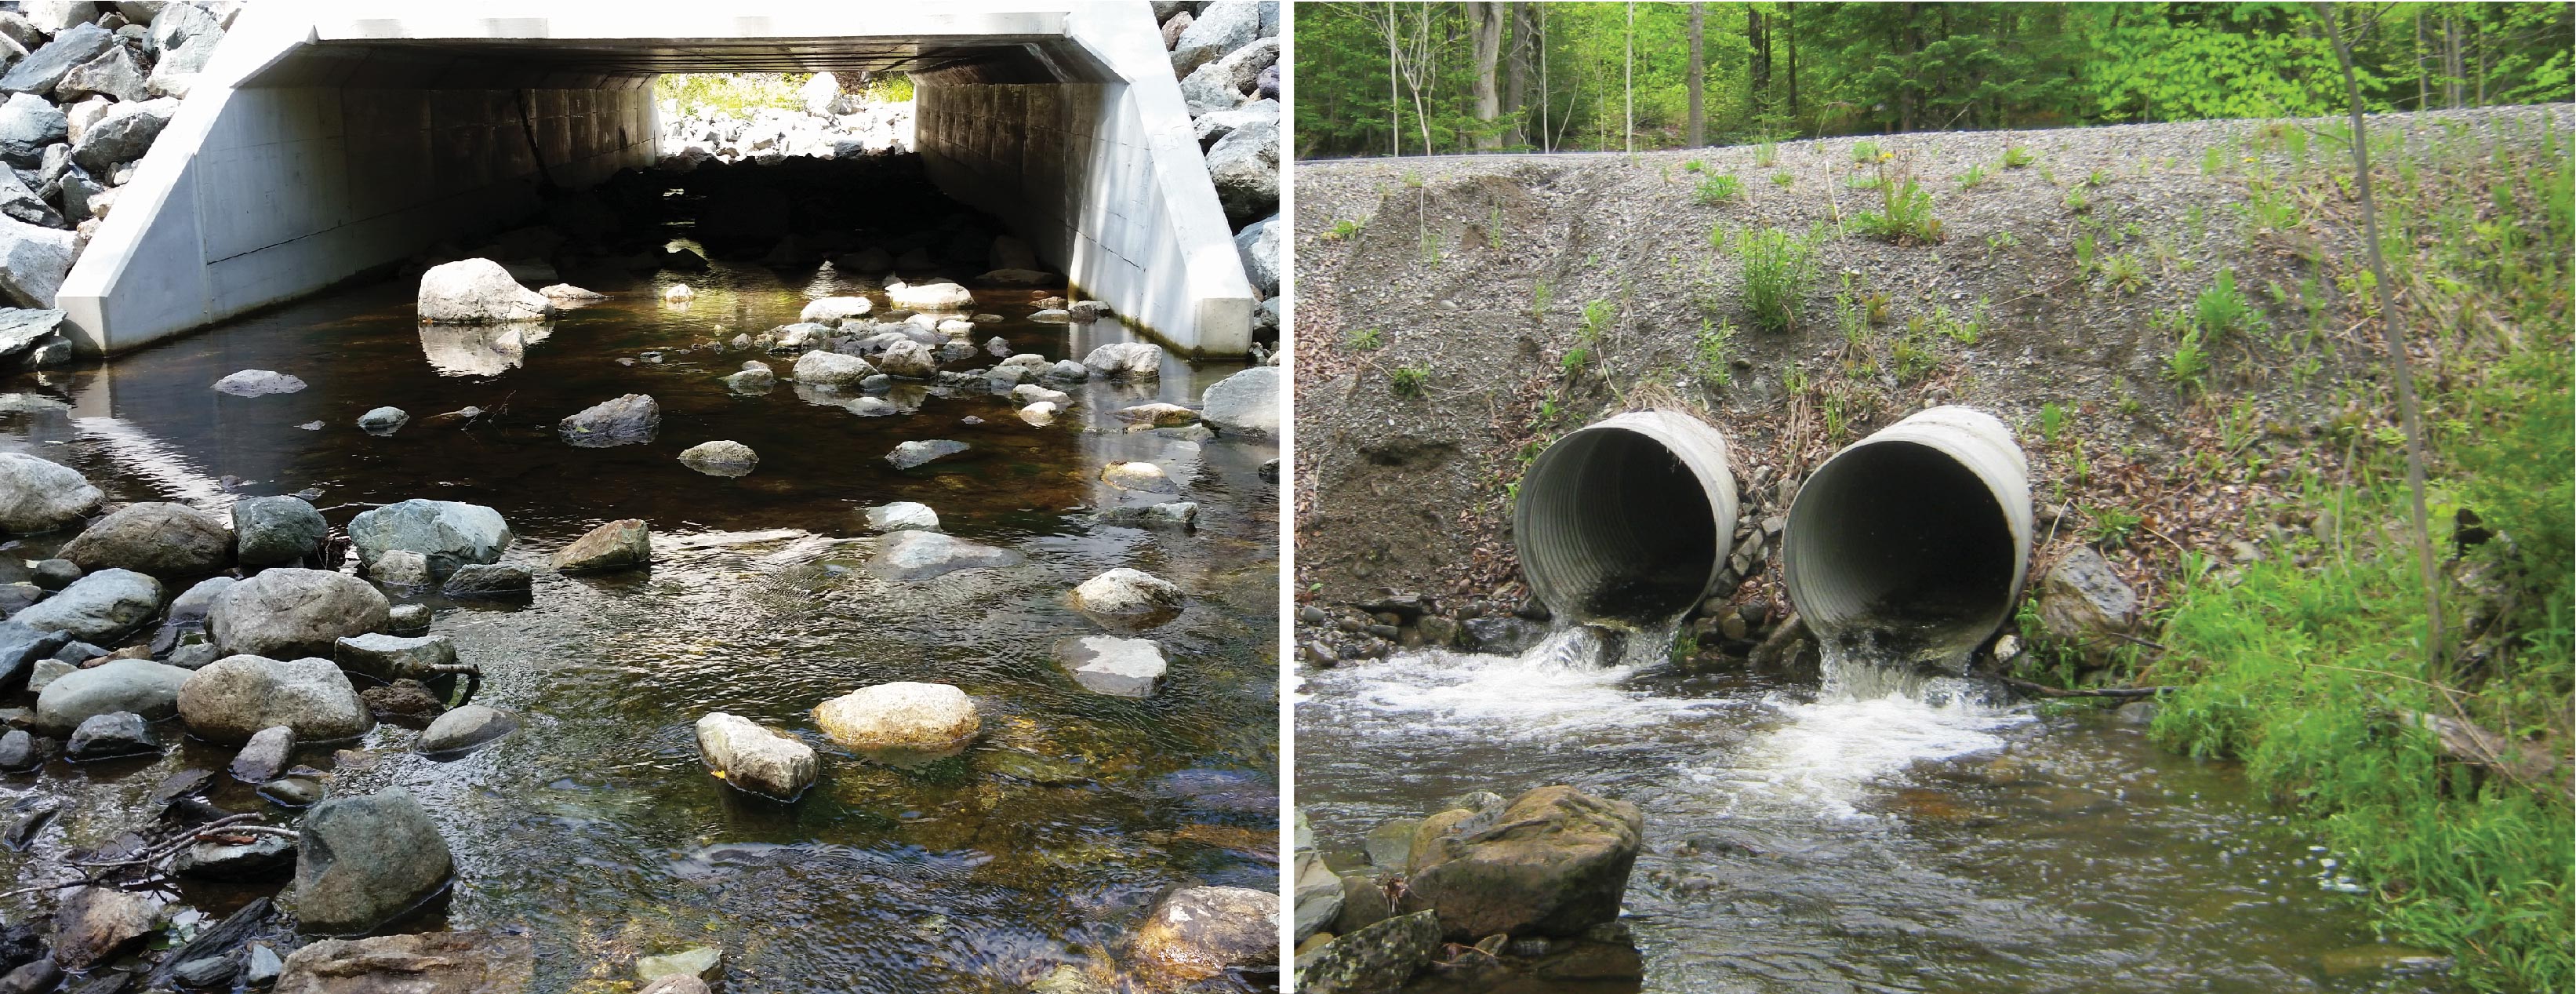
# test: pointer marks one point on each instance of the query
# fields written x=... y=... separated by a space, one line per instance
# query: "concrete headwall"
x=317 y=147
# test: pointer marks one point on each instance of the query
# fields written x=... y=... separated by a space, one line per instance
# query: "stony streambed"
x=594 y=831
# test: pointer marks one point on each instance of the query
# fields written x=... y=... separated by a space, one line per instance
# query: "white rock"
x=756 y=758
x=903 y=515
x=478 y=291
x=902 y=720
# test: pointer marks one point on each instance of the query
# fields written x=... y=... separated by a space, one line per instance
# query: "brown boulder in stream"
x=1553 y=863
x=426 y=963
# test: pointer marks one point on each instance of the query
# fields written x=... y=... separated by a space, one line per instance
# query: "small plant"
x=1905 y=214
x=2124 y=273
x=2016 y=157
x=1596 y=319
x=1913 y=351
x=2221 y=311
x=1864 y=151
x=1717 y=190
x=1766 y=154
x=1539 y=294
x=2187 y=363
x=1976 y=174
x=1413 y=179
x=1345 y=230
x=2001 y=240
x=2052 y=422
x=2084 y=254
x=1866 y=181
x=2113 y=527
x=1575 y=358
x=1963 y=329
x=2077 y=202
x=1407 y=381
x=1714 y=365
x=1366 y=339
x=2096 y=178
x=1685 y=646
x=1694 y=166
x=1777 y=268
x=1782 y=180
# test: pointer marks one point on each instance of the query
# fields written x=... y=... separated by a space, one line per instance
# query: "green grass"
x=2017 y=157
x=2189 y=361
x=1694 y=166
x=1766 y=154
x=1976 y=174
x=1407 y=381
x=1904 y=215
x=2052 y=422
x=1864 y=151
x=1366 y=339
x=2124 y=272
x=2221 y=312
x=1778 y=268
x=1717 y=190
x=1782 y=180
x=1345 y=230
x=1714 y=364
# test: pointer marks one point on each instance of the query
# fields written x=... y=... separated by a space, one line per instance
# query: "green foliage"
x=2084 y=253
x=1717 y=190
x=2052 y=422
x=2113 y=527
x=1407 y=381
x=1904 y=215
x=1596 y=320
x=2220 y=312
x=1766 y=154
x=2077 y=202
x=1345 y=230
x=1976 y=174
x=1864 y=151
x=2124 y=273
x=2188 y=362
x=1714 y=365
x=1778 y=267
x=1539 y=294
x=1365 y=339
x=728 y=94
x=2016 y=157
x=1694 y=166
x=1782 y=180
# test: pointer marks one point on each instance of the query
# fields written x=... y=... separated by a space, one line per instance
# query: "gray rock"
x=1217 y=125
x=624 y=421
x=1126 y=360
x=2084 y=603
x=177 y=23
x=722 y=457
x=21 y=646
x=1504 y=636
x=97 y=924
x=156 y=537
x=2138 y=713
x=19 y=752
x=111 y=73
x=55 y=16
x=408 y=618
x=914 y=555
x=752 y=757
x=280 y=530
x=394 y=657
x=265 y=756
x=77 y=653
x=16 y=597
x=101 y=607
x=260 y=965
x=908 y=359
x=478 y=291
x=175 y=73
x=1377 y=958
x=46 y=671
x=1069 y=371
x=123 y=135
x=258 y=383
x=832 y=369
x=290 y=613
x=448 y=533
x=753 y=380
x=383 y=421
x=1209 y=89
x=1198 y=933
x=1174 y=514
x=1106 y=664
x=612 y=546
x=465 y=728
x=489 y=581
x=33 y=262
x=1130 y=599
x=109 y=736
x=22 y=328
x=234 y=698
x=21 y=203
x=915 y=453
x=207 y=971
x=1246 y=403
x=260 y=857
x=903 y=515
x=1258 y=246
x=44 y=67
x=24 y=33
x=293 y=792
x=1218 y=28
x=1245 y=166
x=1317 y=895
x=55 y=574
x=424 y=963
x=195 y=655
x=28 y=123
x=362 y=861
x=903 y=721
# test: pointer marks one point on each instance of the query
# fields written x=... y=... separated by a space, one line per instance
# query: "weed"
x=2001 y=240
x=1976 y=174
x=1782 y=180
x=2114 y=527
x=2096 y=178
x=1345 y=230
x=1413 y=179
x=2016 y=157
x=1964 y=329
x=1539 y=293
x=1366 y=339
x=1714 y=364
x=1407 y=381
x=1575 y=359
x=1905 y=214
x=2052 y=422
x=1494 y=228
x=2084 y=254
x=1685 y=646
x=1694 y=166
x=1717 y=190
x=1864 y=151
x=2077 y=202
x=2221 y=311
x=2187 y=363
x=1596 y=319
x=1913 y=351
x=2124 y=273
x=1766 y=154
x=1778 y=267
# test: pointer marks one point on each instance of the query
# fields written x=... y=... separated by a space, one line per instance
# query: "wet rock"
x=1120 y=667
x=291 y=613
x=1158 y=415
x=1068 y=371
x=902 y=721
x=422 y=963
x=267 y=754
x=1031 y=393
x=1126 y=360
x=478 y=291
x=1246 y=403
x=32 y=978
x=277 y=531
x=914 y=555
x=832 y=369
x=406 y=702
x=140 y=686
x=1377 y=958
x=2084 y=603
x=383 y=421
x=1128 y=598
x=489 y=582
x=916 y=453
x=1088 y=310
x=232 y=699
x=21 y=646
x=1051 y=315
x=40 y=496
x=908 y=359
x=938 y=295
x=722 y=458
x=834 y=310
x=701 y=963
x=244 y=856
x=206 y=971
x=464 y=729
x=1138 y=475
x=1364 y=903
x=97 y=924
x=1503 y=636
x=1556 y=862
x=2137 y=713
x=155 y=537
x=612 y=546
x=624 y=421
x=1040 y=414
x=293 y=792
x=1175 y=514
x=676 y=984
x=1201 y=932
x=753 y=757
x=19 y=751
x=46 y=65
x=408 y=618
x=108 y=736
x=448 y=533
x=363 y=861
x=903 y=516
x=754 y=378
x=258 y=383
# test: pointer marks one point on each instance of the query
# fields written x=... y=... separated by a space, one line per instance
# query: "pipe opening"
x=1906 y=543
x=1615 y=525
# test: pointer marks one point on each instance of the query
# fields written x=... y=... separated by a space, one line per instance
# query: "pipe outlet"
x=1916 y=538
x=1628 y=520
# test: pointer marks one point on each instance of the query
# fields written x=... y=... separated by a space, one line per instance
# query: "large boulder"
x=362 y=861
x=41 y=496
x=832 y=369
x=98 y=608
x=123 y=135
x=1128 y=598
x=909 y=359
x=2084 y=603
x=1217 y=28
x=448 y=533
x=276 y=531
x=139 y=686
x=1246 y=403
x=478 y=291
x=156 y=537
x=1377 y=957
x=45 y=67
x=28 y=123
x=913 y=554
x=33 y=262
x=936 y=295
x=902 y=721
x=420 y=963
x=1198 y=933
x=233 y=698
x=1126 y=360
x=612 y=546
x=756 y=758
x=626 y=420
x=1245 y=166
x=1553 y=863
x=291 y=613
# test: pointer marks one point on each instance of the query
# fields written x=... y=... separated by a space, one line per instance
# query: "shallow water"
x=595 y=828
x=1797 y=842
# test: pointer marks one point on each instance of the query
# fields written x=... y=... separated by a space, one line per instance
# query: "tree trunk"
x=1516 y=76
x=1488 y=21
x=2423 y=76
x=1757 y=68
x=1628 y=81
x=2451 y=68
x=1697 y=81
x=1394 y=102
x=1789 y=20
x=1546 y=103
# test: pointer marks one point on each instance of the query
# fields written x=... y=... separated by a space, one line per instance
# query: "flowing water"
x=595 y=828
x=1868 y=835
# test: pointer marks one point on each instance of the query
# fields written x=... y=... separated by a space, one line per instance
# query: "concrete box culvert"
x=1627 y=521
x=1916 y=538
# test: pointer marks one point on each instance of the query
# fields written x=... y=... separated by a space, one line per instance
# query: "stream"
x=1801 y=839
x=595 y=828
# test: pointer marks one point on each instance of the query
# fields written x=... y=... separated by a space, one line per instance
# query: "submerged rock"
x=276 y=531
x=256 y=856
x=624 y=421
x=465 y=728
x=383 y=420
x=756 y=758
x=37 y=495
x=1138 y=475
x=1128 y=598
x=1158 y=415
x=1553 y=863
x=478 y=291
x=489 y=581
x=913 y=555
x=156 y=537
x=915 y=453
x=422 y=963
x=448 y=533
x=100 y=607
x=1106 y=664
x=615 y=545
x=902 y=721
x=363 y=861
x=1201 y=932
x=291 y=613
x=701 y=963
x=903 y=515
x=232 y=699
x=721 y=458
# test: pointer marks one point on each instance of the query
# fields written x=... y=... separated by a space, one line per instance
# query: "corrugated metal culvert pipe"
x=1917 y=538
x=1628 y=520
